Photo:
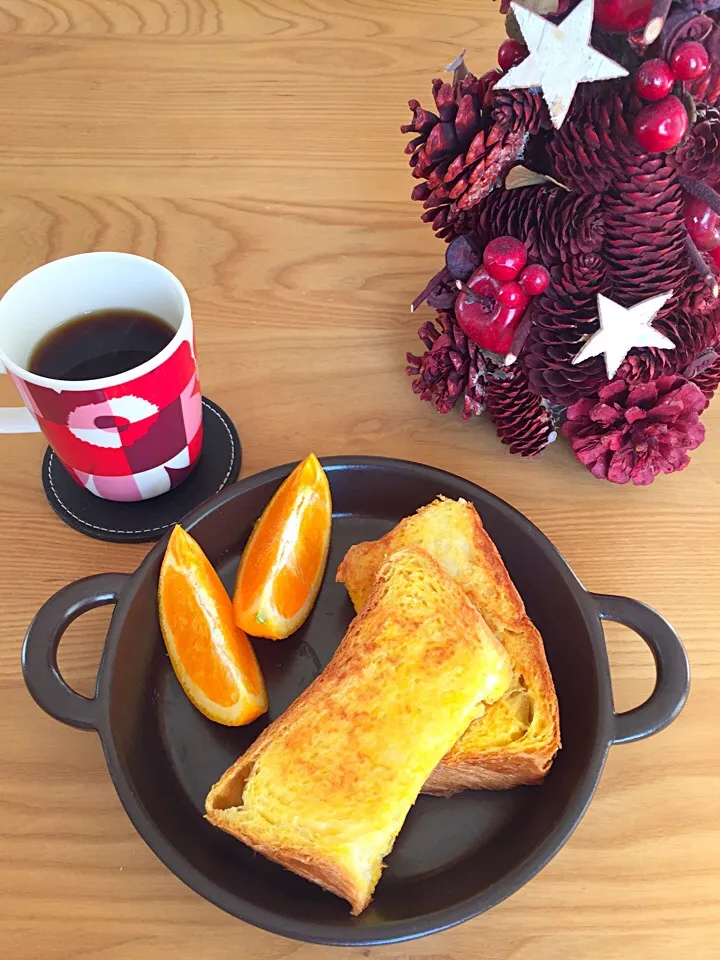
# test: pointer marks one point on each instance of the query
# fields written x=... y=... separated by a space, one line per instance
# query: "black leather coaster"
x=147 y=520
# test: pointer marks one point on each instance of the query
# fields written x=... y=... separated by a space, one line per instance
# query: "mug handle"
x=39 y=654
x=17 y=419
x=672 y=683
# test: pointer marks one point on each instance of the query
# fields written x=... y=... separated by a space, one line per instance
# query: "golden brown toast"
x=327 y=786
x=515 y=741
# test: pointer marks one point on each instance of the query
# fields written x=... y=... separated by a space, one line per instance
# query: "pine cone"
x=698 y=157
x=635 y=433
x=695 y=296
x=449 y=205
x=520 y=110
x=460 y=154
x=502 y=149
x=645 y=232
x=564 y=317
x=705 y=372
x=554 y=225
x=452 y=367
x=595 y=153
x=445 y=137
x=449 y=223
x=690 y=332
x=594 y=144
x=522 y=419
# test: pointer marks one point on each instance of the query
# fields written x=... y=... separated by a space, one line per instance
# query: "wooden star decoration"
x=622 y=329
x=560 y=58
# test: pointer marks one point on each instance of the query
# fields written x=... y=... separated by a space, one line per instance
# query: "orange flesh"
x=267 y=547
x=186 y=618
x=290 y=546
x=294 y=583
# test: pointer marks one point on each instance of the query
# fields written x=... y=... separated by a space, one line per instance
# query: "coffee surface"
x=100 y=344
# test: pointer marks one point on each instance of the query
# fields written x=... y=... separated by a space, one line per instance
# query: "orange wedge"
x=211 y=656
x=283 y=563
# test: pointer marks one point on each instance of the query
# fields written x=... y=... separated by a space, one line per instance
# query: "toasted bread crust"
x=325 y=789
x=453 y=533
x=487 y=772
x=323 y=871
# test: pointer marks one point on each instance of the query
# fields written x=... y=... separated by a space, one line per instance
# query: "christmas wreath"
x=574 y=186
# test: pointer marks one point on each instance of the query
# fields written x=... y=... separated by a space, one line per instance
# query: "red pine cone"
x=522 y=419
x=636 y=433
x=483 y=168
x=445 y=137
x=554 y=225
x=696 y=296
x=595 y=153
x=461 y=154
x=520 y=110
x=449 y=222
x=645 y=232
x=698 y=157
x=563 y=319
x=705 y=372
x=452 y=368
x=594 y=143
x=690 y=332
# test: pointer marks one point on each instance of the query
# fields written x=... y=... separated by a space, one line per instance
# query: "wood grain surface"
x=252 y=146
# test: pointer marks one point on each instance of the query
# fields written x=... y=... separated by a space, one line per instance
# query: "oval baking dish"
x=454 y=858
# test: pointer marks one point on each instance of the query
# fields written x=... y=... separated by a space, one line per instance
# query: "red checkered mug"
x=131 y=436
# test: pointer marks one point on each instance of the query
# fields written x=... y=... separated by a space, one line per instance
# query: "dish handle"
x=672 y=683
x=39 y=654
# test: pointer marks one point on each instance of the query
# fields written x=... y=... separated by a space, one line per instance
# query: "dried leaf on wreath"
x=459 y=59
x=521 y=176
x=459 y=70
x=512 y=28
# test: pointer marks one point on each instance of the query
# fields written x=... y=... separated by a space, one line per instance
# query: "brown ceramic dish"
x=454 y=858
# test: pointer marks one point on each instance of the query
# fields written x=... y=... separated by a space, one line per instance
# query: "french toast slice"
x=514 y=742
x=327 y=786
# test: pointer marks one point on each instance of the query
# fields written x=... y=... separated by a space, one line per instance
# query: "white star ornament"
x=622 y=329
x=560 y=58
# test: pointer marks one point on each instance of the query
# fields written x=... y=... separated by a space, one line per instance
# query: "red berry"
x=487 y=85
x=654 y=80
x=661 y=126
x=689 y=60
x=534 y=280
x=622 y=16
x=512 y=295
x=483 y=318
x=510 y=53
x=504 y=258
x=715 y=257
x=492 y=76
x=702 y=223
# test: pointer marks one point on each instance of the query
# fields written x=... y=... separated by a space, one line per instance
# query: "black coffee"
x=100 y=344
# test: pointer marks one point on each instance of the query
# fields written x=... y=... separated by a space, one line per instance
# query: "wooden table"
x=253 y=148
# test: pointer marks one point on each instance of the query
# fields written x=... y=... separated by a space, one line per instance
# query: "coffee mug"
x=131 y=436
